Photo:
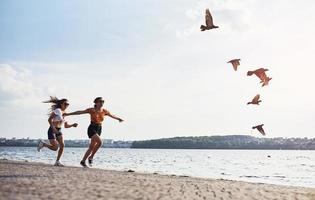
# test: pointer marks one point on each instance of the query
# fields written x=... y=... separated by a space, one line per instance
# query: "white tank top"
x=58 y=116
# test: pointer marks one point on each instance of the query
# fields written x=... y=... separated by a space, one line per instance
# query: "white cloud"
x=19 y=87
x=16 y=83
x=193 y=14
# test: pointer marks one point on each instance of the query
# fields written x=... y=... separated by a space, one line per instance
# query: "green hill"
x=227 y=142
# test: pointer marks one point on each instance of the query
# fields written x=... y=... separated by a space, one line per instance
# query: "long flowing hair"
x=55 y=103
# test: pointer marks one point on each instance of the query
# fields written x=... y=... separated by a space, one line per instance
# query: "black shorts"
x=94 y=129
x=52 y=135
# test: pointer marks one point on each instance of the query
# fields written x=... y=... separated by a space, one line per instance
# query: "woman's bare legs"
x=94 y=140
x=61 y=146
x=96 y=147
x=53 y=145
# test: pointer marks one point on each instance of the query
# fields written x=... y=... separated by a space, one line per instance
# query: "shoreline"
x=110 y=147
x=30 y=180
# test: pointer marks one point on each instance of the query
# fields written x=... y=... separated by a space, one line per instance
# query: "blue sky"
x=154 y=67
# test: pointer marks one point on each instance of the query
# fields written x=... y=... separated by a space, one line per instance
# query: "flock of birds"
x=260 y=73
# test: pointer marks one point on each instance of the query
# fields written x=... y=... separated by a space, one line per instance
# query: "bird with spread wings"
x=235 y=63
x=260 y=129
x=209 y=22
x=256 y=100
x=261 y=74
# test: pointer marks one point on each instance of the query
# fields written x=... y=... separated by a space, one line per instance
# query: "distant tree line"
x=227 y=142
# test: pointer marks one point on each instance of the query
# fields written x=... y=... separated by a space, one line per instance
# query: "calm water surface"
x=296 y=168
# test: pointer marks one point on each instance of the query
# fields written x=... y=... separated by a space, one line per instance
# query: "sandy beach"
x=26 y=180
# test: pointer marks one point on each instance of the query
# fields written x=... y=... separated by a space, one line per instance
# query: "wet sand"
x=27 y=180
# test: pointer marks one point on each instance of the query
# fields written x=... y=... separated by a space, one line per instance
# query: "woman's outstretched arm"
x=114 y=117
x=79 y=112
x=67 y=125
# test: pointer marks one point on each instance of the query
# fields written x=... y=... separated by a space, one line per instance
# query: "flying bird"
x=261 y=74
x=235 y=63
x=256 y=100
x=260 y=129
x=209 y=22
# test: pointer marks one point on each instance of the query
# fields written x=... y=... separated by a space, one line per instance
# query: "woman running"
x=55 y=121
x=94 y=131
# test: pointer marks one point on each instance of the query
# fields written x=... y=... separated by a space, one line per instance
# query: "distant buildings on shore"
x=27 y=142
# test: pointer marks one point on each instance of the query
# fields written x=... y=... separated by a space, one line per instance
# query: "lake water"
x=283 y=167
